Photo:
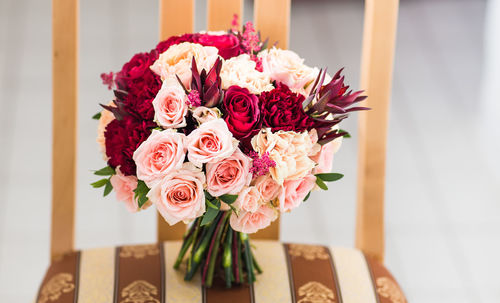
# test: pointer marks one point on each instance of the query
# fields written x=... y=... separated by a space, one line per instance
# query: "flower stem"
x=199 y=252
x=248 y=257
x=188 y=240
x=226 y=257
x=208 y=272
x=255 y=264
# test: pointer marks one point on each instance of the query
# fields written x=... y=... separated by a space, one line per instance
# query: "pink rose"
x=124 y=187
x=249 y=200
x=210 y=142
x=161 y=153
x=267 y=187
x=229 y=175
x=248 y=222
x=294 y=192
x=170 y=105
x=324 y=157
x=179 y=196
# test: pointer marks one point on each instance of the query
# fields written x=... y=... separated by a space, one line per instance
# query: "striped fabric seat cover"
x=292 y=273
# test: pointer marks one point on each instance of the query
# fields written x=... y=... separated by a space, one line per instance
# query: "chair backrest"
x=272 y=19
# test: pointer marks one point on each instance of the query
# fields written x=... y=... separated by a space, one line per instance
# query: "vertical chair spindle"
x=377 y=61
x=64 y=123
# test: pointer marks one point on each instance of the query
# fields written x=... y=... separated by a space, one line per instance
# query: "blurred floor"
x=443 y=193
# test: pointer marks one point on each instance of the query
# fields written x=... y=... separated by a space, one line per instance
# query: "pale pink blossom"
x=229 y=175
x=248 y=222
x=210 y=142
x=249 y=200
x=179 y=195
x=170 y=105
x=161 y=153
x=267 y=187
x=104 y=120
x=294 y=192
x=124 y=187
x=324 y=158
x=287 y=67
x=289 y=150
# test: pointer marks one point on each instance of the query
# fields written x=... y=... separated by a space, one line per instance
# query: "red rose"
x=164 y=45
x=122 y=139
x=282 y=110
x=242 y=113
x=228 y=45
x=141 y=84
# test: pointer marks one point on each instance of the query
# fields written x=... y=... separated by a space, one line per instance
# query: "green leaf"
x=97 y=116
x=141 y=193
x=209 y=216
x=142 y=189
x=330 y=177
x=228 y=199
x=346 y=135
x=208 y=195
x=99 y=183
x=321 y=184
x=212 y=205
x=106 y=171
x=307 y=197
x=158 y=128
x=142 y=200
x=108 y=188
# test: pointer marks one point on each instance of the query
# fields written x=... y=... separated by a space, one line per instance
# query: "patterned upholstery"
x=292 y=273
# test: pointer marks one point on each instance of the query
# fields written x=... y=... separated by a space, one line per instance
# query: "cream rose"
x=290 y=150
x=210 y=142
x=161 y=153
x=179 y=195
x=229 y=175
x=170 y=105
x=124 y=187
x=177 y=60
x=294 y=192
x=204 y=114
x=287 y=67
x=267 y=187
x=104 y=120
x=248 y=222
x=241 y=71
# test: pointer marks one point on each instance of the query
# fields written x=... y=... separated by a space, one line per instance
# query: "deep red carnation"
x=122 y=139
x=242 y=113
x=141 y=84
x=282 y=110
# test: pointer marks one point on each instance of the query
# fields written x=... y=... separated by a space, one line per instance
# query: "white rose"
x=177 y=59
x=287 y=67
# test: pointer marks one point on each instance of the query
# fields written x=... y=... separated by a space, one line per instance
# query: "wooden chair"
x=292 y=272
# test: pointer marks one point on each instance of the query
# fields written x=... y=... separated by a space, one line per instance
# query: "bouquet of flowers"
x=224 y=134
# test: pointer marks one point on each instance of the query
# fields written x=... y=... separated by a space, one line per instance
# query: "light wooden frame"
x=272 y=18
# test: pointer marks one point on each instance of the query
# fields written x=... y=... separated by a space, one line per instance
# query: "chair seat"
x=291 y=273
